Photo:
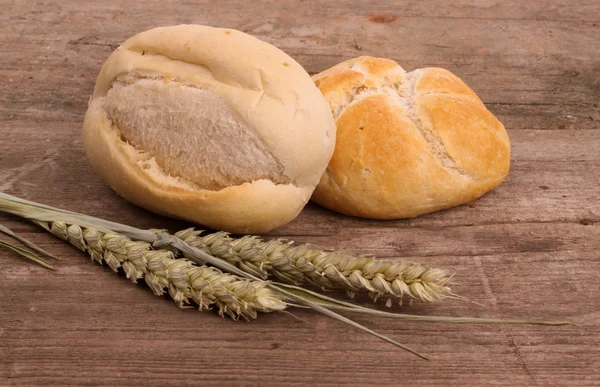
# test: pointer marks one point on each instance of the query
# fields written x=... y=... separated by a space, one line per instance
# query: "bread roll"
x=407 y=143
x=210 y=125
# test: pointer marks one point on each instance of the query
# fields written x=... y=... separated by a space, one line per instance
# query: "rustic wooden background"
x=529 y=249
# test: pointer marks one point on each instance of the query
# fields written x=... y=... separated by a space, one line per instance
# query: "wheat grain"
x=183 y=280
x=242 y=294
x=304 y=264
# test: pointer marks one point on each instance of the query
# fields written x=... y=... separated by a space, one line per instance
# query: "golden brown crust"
x=343 y=81
x=474 y=139
x=442 y=81
x=412 y=144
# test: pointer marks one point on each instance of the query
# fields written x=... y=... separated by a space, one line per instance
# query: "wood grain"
x=528 y=249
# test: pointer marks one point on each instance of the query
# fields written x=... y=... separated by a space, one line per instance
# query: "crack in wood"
x=15 y=175
x=522 y=362
x=487 y=289
x=92 y=41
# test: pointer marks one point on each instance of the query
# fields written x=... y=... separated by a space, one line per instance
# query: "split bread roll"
x=407 y=143
x=210 y=125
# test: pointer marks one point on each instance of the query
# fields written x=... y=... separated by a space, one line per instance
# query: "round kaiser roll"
x=407 y=143
x=210 y=125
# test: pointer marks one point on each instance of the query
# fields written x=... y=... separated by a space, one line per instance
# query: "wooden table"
x=529 y=249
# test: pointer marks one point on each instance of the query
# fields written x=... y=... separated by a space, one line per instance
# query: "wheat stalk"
x=183 y=280
x=304 y=264
x=237 y=294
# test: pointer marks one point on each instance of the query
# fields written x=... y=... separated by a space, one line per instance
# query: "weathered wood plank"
x=100 y=299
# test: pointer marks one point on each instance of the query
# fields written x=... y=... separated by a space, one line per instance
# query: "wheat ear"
x=98 y=238
x=304 y=264
x=183 y=280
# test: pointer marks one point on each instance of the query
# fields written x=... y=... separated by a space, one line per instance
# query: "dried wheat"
x=304 y=264
x=184 y=281
x=242 y=294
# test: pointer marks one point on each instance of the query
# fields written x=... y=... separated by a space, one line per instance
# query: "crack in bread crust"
x=189 y=131
x=436 y=144
x=402 y=95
